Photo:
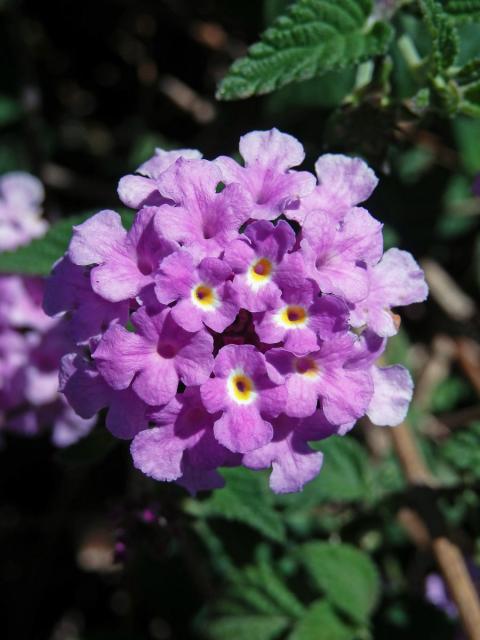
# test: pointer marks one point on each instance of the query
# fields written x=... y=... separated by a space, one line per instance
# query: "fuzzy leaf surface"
x=309 y=39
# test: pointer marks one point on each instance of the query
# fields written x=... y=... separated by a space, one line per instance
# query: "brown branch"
x=448 y=556
x=468 y=355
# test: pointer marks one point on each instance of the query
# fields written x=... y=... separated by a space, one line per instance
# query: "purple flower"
x=200 y=290
x=343 y=183
x=202 y=219
x=395 y=281
x=301 y=318
x=68 y=427
x=181 y=444
x=88 y=393
x=69 y=290
x=336 y=255
x=127 y=260
x=20 y=303
x=248 y=393
x=226 y=328
x=20 y=198
x=327 y=374
x=393 y=390
x=293 y=462
x=13 y=359
x=137 y=191
x=262 y=265
x=154 y=359
x=269 y=156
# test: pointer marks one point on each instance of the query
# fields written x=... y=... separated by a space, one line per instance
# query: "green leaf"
x=445 y=42
x=10 y=111
x=345 y=475
x=449 y=393
x=469 y=73
x=247 y=627
x=38 y=257
x=467 y=135
x=245 y=498
x=463 y=10
x=311 y=38
x=264 y=577
x=462 y=451
x=326 y=92
x=345 y=478
x=346 y=576
x=321 y=623
x=471 y=95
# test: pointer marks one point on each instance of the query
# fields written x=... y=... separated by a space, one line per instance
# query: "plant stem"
x=448 y=556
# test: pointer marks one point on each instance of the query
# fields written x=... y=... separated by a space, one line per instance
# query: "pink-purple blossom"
x=241 y=317
x=31 y=343
x=21 y=197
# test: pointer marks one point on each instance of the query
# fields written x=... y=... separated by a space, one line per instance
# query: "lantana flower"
x=241 y=317
x=31 y=343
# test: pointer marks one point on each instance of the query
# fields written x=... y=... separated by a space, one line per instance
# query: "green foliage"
x=263 y=577
x=311 y=38
x=320 y=621
x=247 y=627
x=245 y=498
x=345 y=475
x=345 y=478
x=449 y=393
x=467 y=133
x=433 y=61
x=469 y=73
x=38 y=257
x=9 y=111
x=463 y=10
x=462 y=451
x=346 y=576
x=443 y=33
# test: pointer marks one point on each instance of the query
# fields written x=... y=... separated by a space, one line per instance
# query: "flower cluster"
x=31 y=343
x=240 y=317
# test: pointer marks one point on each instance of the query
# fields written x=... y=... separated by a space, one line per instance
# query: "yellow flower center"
x=261 y=269
x=306 y=367
x=293 y=316
x=204 y=297
x=241 y=388
x=259 y=273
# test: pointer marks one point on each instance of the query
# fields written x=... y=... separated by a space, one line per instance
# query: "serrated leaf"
x=246 y=627
x=321 y=622
x=311 y=38
x=444 y=35
x=346 y=576
x=245 y=498
x=38 y=257
x=463 y=10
